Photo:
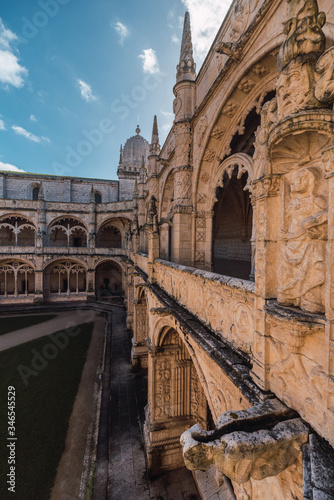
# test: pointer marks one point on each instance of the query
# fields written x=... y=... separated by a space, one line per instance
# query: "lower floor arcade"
x=61 y=279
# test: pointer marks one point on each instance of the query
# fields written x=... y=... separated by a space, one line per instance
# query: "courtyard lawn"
x=45 y=374
x=14 y=323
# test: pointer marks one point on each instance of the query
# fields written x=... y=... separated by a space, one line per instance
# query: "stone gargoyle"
x=256 y=443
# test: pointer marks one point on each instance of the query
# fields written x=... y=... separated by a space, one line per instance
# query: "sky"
x=77 y=76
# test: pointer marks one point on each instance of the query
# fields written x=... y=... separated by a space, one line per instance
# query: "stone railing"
x=225 y=304
x=10 y=251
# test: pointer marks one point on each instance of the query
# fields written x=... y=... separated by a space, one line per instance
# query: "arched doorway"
x=109 y=281
x=176 y=401
x=232 y=227
x=109 y=236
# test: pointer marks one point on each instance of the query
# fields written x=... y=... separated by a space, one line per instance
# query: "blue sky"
x=77 y=75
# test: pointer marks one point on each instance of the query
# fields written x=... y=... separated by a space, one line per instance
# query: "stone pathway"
x=63 y=321
x=127 y=468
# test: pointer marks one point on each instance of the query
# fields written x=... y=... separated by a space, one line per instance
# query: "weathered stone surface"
x=243 y=447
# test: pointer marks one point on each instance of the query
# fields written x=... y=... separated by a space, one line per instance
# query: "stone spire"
x=121 y=155
x=155 y=146
x=186 y=69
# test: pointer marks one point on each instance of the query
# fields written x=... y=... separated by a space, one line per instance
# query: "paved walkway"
x=127 y=468
x=64 y=320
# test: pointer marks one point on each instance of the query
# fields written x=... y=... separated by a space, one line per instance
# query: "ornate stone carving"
x=200 y=256
x=201 y=198
x=201 y=129
x=246 y=85
x=209 y=155
x=230 y=108
x=205 y=177
x=200 y=223
x=297 y=58
x=239 y=19
x=268 y=186
x=218 y=132
x=242 y=454
x=163 y=371
x=324 y=76
x=301 y=273
x=260 y=69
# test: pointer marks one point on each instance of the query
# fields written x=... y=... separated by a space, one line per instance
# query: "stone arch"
x=65 y=278
x=17 y=230
x=176 y=399
x=17 y=278
x=109 y=277
x=68 y=231
x=112 y=233
x=233 y=218
x=247 y=92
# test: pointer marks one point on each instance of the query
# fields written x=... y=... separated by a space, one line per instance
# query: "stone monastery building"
x=221 y=243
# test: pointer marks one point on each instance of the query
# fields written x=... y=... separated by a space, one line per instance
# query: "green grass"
x=14 y=323
x=43 y=408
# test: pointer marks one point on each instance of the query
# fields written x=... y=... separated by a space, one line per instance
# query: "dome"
x=135 y=149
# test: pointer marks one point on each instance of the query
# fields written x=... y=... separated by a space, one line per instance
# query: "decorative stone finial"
x=138 y=130
x=121 y=155
x=186 y=69
x=155 y=146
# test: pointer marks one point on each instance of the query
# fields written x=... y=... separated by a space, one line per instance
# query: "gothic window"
x=35 y=193
x=98 y=198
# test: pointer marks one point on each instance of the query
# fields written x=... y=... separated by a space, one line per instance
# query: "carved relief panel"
x=301 y=271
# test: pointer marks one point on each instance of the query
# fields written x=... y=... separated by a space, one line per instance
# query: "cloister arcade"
x=108 y=280
x=67 y=232
x=64 y=278
x=16 y=231
x=17 y=279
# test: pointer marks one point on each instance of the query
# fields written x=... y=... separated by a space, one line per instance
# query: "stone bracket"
x=259 y=442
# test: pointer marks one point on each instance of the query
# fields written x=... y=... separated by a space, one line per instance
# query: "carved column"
x=266 y=204
x=140 y=332
x=328 y=159
x=182 y=215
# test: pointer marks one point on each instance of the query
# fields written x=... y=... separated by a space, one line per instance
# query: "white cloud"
x=2 y=125
x=9 y=167
x=33 y=118
x=206 y=18
x=86 y=91
x=29 y=135
x=122 y=31
x=168 y=120
x=175 y=39
x=150 y=61
x=11 y=72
